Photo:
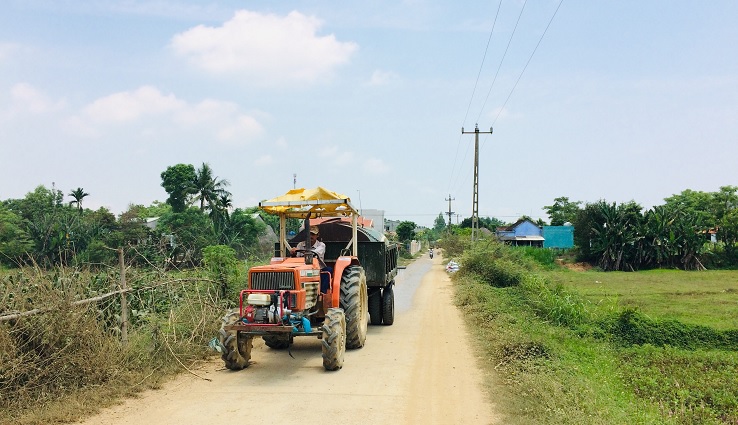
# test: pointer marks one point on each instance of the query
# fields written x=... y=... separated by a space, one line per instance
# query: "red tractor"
x=285 y=299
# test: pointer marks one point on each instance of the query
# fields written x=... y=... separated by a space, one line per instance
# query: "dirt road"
x=418 y=371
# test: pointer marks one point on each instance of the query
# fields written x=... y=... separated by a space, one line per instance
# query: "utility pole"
x=294 y=180
x=475 y=206
x=449 y=213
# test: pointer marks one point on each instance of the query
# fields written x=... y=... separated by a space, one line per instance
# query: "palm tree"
x=209 y=188
x=78 y=194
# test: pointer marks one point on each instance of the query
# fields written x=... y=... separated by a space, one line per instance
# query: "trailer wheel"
x=235 y=348
x=375 y=306
x=388 y=306
x=334 y=339
x=277 y=342
x=354 y=304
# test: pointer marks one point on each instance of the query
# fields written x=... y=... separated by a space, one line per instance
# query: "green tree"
x=179 y=182
x=209 y=188
x=185 y=234
x=14 y=241
x=78 y=194
x=562 y=211
x=724 y=204
x=439 y=224
x=406 y=231
x=615 y=235
x=488 y=223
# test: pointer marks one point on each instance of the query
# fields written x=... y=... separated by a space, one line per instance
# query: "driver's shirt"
x=318 y=248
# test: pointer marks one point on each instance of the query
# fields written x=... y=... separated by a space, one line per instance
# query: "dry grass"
x=69 y=362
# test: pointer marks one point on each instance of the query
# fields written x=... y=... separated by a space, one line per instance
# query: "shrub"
x=630 y=327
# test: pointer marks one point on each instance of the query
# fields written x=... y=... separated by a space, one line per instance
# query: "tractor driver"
x=318 y=248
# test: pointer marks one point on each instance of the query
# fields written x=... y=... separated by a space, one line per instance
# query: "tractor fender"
x=341 y=264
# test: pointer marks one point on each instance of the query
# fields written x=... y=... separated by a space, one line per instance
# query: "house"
x=521 y=233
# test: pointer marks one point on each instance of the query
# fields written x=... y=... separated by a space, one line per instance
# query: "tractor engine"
x=279 y=297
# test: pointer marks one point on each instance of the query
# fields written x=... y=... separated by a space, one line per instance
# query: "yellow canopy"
x=320 y=202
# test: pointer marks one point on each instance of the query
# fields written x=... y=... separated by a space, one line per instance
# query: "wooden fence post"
x=123 y=300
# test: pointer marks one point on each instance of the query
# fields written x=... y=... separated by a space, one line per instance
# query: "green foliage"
x=544 y=257
x=210 y=190
x=77 y=195
x=484 y=222
x=494 y=265
x=454 y=244
x=241 y=232
x=14 y=241
x=179 y=182
x=439 y=224
x=186 y=234
x=562 y=211
x=633 y=328
x=222 y=266
x=406 y=231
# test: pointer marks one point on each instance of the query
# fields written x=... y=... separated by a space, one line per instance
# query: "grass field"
x=585 y=347
x=707 y=298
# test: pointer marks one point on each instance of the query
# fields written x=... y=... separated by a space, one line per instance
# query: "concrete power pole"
x=475 y=206
x=449 y=213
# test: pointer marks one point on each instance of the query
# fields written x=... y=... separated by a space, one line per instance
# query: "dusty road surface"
x=418 y=371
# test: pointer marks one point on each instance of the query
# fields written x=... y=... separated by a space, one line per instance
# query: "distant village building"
x=376 y=217
x=560 y=237
x=390 y=226
x=524 y=232
x=521 y=233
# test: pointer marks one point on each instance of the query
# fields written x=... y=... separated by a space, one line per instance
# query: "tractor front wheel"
x=354 y=304
x=334 y=339
x=235 y=348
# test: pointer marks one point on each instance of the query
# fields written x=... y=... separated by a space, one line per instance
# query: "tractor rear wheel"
x=235 y=348
x=354 y=304
x=388 y=305
x=334 y=339
x=278 y=342
x=375 y=306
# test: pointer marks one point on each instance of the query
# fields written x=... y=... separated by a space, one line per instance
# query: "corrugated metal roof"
x=522 y=238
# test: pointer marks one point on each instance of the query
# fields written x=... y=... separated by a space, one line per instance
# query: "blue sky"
x=622 y=100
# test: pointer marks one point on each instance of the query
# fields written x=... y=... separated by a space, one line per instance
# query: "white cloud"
x=264 y=160
x=243 y=127
x=337 y=157
x=265 y=49
x=7 y=50
x=381 y=78
x=130 y=106
x=375 y=166
x=149 y=110
x=282 y=143
x=27 y=98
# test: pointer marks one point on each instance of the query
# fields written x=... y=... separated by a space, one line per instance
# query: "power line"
x=456 y=183
x=528 y=62
x=466 y=114
x=502 y=60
